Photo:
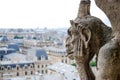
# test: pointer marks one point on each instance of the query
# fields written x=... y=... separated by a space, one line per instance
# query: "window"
x=26 y=73
x=17 y=73
x=8 y=68
x=38 y=66
x=17 y=68
x=42 y=71
x=66 y=61
x=31 y=66
x=62 y=61
x=42 y=57
x=26 y=66
x=42 y=66
x=2 y=68
x=31 y=72
x=46 y=71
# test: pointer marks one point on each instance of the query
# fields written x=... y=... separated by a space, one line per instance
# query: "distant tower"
x=4 y=41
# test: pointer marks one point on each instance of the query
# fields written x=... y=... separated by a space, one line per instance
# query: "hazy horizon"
x=42 y=13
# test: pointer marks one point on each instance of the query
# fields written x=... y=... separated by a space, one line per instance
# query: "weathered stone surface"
x=112 y=10
x=109 y=61
x=109 y=55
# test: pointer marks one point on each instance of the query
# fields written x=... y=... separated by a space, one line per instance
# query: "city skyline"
x=42 y=13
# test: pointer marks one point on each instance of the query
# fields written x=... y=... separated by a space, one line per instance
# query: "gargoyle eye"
x=68 y=31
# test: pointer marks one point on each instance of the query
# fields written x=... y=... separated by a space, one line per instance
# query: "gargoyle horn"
x=84 y=8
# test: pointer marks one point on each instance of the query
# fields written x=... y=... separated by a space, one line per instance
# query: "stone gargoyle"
x=86 y=36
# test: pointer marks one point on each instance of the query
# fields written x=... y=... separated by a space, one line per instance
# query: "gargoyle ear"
x=73 y=23
x=86 y=36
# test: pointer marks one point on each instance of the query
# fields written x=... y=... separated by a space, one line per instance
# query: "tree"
x=18 y=37
x=34 y=38
x=89 y=36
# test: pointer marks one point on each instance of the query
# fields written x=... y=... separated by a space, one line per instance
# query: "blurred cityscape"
x=35 y=54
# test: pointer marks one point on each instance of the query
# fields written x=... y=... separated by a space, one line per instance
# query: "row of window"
x=43 y=71
x=42 y=66
x=64 y=61
x=32 y=72
x=26 y=73
x=25 y=67
x=18 y=67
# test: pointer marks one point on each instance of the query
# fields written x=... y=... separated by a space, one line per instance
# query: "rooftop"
x=14 y=62
x=56 y=49
x=16 y=56
x=3 y=39
x=37 y=52
x=62 y=68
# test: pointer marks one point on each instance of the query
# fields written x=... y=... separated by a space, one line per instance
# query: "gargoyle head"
x=85 y=37
x=78 y=39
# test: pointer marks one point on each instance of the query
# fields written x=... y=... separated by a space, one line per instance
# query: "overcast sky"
x=41 y=13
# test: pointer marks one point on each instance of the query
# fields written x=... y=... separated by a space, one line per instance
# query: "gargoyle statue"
x=85 y=37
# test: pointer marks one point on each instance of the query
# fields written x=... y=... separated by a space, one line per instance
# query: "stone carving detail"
x=86 y=36
x=109 y=61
